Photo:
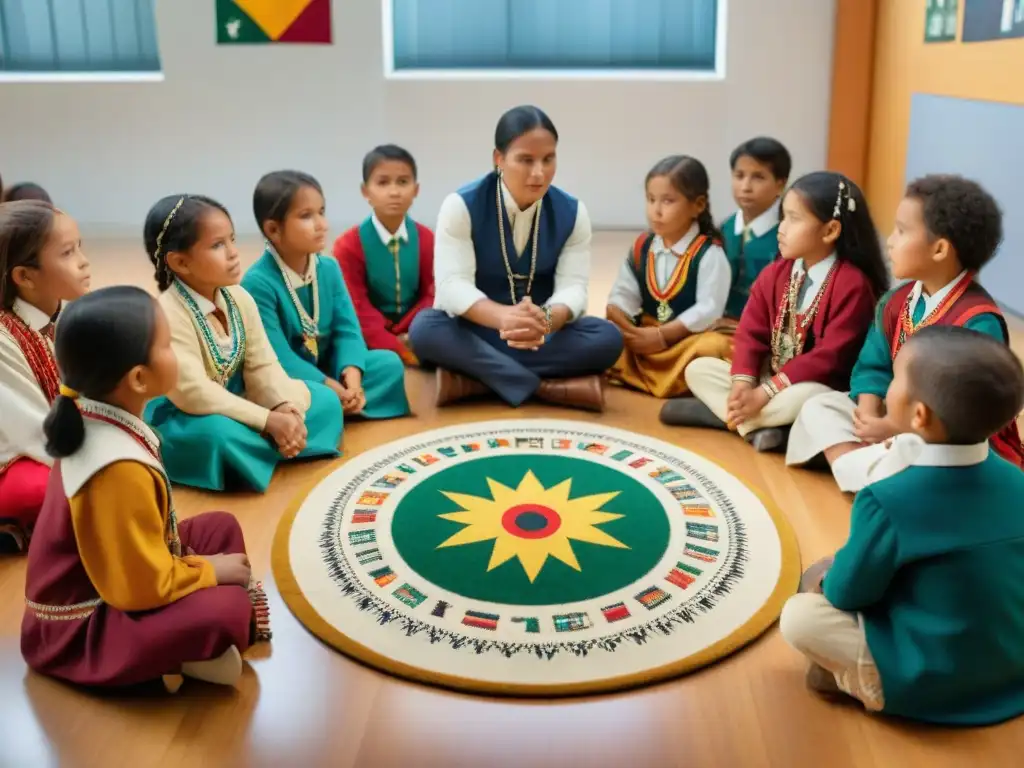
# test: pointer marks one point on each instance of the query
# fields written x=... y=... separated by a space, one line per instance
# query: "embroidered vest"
x=557 y=222
x=640 y=262
x=974 y=301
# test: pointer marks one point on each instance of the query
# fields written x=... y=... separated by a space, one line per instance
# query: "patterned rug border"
x=762 y=620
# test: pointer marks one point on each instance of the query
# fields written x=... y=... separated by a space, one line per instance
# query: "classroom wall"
x=905 y=65
x=225 y=115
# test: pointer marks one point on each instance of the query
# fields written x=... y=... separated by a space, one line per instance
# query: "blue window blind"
x=78 y=36
x=555 y=34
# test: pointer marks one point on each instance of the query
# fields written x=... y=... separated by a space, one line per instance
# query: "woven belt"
x=64 y=612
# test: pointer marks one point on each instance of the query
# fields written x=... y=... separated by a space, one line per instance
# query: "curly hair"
x=172 y=224
x=961 y=211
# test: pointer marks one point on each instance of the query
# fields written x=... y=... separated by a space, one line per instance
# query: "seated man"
x=511 y=264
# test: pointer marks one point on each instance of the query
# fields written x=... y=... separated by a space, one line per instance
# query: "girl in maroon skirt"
x=117 y=592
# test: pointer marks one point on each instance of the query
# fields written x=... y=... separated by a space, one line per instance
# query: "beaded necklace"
x=145 y=437
x=512 y=276
x=221 y=365
x=310 y=325
x=675 y=282
x=905 y=326
x=789 y=331
x=38 y=352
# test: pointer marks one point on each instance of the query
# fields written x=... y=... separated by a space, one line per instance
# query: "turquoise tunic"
x=392 y=280
x=216 y=453
x=339 y=339
x=872 y=374
x=747 y=262
x=935 y=564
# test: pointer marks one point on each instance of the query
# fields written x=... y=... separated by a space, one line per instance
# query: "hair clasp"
x=68 y=392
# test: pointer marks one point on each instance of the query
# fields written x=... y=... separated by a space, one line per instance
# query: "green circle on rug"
x=534 y=557
x=530 y=529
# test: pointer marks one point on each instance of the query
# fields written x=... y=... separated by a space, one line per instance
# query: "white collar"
x=817 y=273
x=206 y=306
x=291 y=274
x=34 y=317
x=678 y=248
x=402 y=233
x=511 y=206
x=106 y=444
x=931 y=302
x=910 y=450
x=760 y=225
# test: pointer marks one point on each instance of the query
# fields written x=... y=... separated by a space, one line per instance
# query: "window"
x=77 y=39
x=650 y=39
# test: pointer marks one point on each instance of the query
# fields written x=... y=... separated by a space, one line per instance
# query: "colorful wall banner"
x=248 y=22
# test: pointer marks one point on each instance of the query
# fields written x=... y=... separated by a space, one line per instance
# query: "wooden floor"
x=301 y=704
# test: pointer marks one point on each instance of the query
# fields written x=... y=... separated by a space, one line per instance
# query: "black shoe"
x=689 y=412
x=768 y=439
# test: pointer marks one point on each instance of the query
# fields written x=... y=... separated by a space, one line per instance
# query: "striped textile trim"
x=64 y=612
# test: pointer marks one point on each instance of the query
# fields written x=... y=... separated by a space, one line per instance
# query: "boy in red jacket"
x=388 y=260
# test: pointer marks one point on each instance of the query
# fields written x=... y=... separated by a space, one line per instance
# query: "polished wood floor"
x=302 y=704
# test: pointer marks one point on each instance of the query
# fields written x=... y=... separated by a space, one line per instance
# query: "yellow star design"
x=566 y=519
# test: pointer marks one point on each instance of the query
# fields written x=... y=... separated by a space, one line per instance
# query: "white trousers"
x=827 y=420
x=710 y=382
x=835 y=640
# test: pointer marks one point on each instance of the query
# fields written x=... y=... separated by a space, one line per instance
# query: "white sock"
x=226 y=669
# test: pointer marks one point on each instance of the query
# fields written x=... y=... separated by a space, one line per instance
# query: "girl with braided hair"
x=234 y=413
x=804 y=323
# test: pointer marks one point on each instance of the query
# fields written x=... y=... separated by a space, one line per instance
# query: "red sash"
x=37 y=351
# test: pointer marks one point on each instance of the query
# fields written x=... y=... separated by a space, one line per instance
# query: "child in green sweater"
x=921 y=613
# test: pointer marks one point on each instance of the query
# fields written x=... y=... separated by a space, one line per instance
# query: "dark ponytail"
x=689 y=177
x=100 y=338
x=833 y=197
x=172 y=225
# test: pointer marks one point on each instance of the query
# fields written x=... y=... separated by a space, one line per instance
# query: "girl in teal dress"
x=305 y=305
x=234 y=413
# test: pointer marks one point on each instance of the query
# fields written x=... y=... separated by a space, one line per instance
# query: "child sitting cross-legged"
x=921 y=612
x=804 y=323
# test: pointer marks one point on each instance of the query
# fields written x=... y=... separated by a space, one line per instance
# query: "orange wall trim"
x=905 y=65
x=853 y=67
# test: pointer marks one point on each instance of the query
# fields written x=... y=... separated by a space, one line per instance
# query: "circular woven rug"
x=534 y=557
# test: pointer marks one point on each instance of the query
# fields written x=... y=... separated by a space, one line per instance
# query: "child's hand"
x=231 y=569
x=738 y=387
x=749 y=403
x=353 y=398
x=872 y=429
x=288 y=431
x=645 y=341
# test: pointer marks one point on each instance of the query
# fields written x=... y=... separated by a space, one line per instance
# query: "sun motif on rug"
x=531 y=522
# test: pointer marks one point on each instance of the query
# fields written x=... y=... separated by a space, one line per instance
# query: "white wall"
x=225 y=115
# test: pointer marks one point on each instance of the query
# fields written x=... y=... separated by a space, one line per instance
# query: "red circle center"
x=521 y=521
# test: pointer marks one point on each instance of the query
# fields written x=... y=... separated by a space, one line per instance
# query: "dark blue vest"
x=557 y=221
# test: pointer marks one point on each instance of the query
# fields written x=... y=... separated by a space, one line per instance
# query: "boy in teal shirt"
x=760 y=171
x=921 y=613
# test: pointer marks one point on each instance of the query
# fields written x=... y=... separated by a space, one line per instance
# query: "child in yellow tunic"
x=117 y=591
x=673 y=285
